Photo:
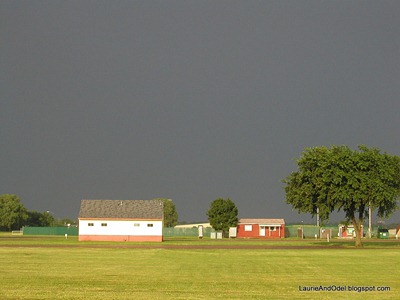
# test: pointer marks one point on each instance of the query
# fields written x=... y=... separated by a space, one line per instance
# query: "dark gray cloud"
x=188 y=100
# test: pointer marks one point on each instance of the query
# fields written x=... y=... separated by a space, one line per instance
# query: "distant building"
x=205 y=225
x=261 y=228
x=121 y=220
x=347 y=231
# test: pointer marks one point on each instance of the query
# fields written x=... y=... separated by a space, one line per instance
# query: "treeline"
x=14 y=215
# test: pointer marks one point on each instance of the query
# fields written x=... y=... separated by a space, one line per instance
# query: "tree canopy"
x=338 y=178
x=12 y=213
x=170 y=213
x=223 y=214
x=38 y=219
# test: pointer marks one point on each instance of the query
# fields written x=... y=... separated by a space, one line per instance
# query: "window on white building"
x=103 y=224
x=149 y=225
x=136 y=224
x=90 y=224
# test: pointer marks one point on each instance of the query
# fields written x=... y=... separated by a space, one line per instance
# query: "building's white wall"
x=120 y=228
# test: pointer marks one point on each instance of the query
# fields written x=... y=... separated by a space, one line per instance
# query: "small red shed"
x=261 y=228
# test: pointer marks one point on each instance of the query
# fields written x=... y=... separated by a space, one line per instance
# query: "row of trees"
x=13 y=215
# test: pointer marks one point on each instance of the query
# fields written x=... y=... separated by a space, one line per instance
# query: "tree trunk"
x=357 y=229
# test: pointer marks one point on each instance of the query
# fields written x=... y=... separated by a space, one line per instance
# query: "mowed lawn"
x=55 y=268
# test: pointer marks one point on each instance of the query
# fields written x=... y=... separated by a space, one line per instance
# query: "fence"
x=71 y=231
x=291 y=231
x=309 y=231
x=194 y=231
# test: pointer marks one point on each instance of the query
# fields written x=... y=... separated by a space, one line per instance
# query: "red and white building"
x=347 y=231
x=261 y=228
x=121 y=220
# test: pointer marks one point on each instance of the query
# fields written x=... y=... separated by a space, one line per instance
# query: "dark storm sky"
x=189 y=100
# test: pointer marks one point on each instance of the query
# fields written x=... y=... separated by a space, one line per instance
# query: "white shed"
x=121 y=220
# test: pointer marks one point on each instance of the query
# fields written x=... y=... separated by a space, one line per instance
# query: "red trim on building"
x=120 y=238
x=119 y=219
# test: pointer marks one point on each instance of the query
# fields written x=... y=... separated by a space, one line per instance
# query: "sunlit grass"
x=56 y=268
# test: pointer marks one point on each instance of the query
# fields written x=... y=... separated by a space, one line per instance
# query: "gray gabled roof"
x=122 y=209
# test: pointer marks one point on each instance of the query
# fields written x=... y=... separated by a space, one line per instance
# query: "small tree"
x=338 y=178
x=170 y=213
x=223 y=214
x=48 y=219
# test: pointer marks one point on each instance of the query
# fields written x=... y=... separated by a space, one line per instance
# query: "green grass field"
x=56 y=268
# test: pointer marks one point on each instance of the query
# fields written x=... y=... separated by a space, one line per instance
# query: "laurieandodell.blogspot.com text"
x=344 y=288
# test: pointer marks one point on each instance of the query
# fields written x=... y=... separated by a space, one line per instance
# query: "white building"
x=121 y=220
x=205 y=225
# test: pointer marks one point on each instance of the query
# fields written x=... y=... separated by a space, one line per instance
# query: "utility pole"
x=319 y=229
x=370 y=220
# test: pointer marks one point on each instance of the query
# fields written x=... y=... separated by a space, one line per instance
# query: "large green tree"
x=12 y=213
x=170 y=213
x=223 y=214
x=340 y=179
